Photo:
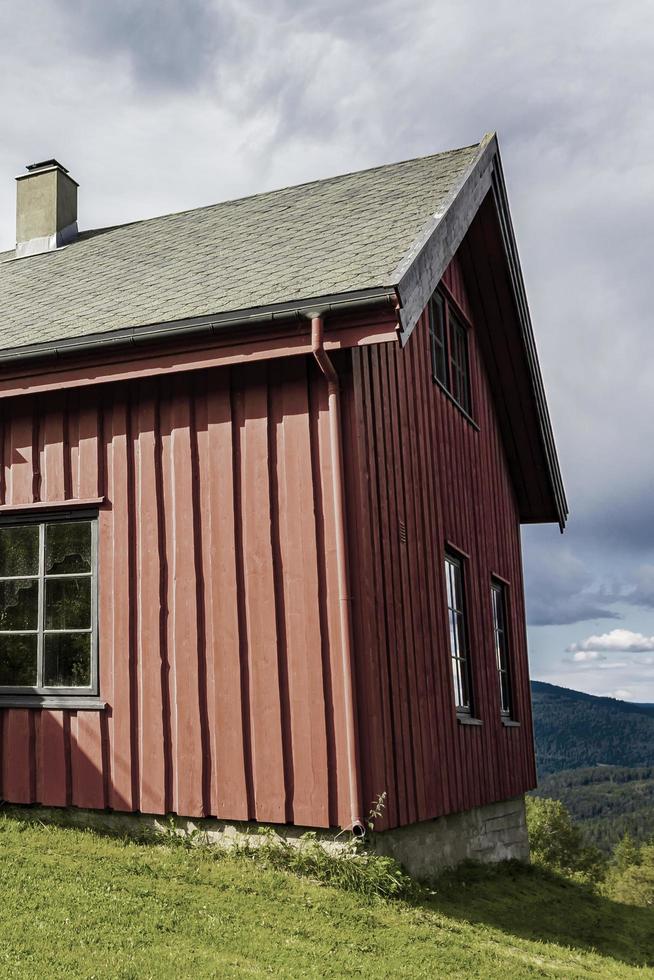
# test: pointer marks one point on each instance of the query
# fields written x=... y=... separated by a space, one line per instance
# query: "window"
x=459 y=382
x=438 y=342
x=458 y=633
x=48 y=606
x=449 y=350
x=498 y=602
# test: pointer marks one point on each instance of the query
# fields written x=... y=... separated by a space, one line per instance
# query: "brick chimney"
x=46 y=208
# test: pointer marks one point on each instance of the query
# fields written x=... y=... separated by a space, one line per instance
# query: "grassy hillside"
x=575 y=730
x=608 y=801
x=79 y=905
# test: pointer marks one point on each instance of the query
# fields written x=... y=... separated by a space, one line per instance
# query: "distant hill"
x=609 y=801
x=575 y=730
x=596 y=755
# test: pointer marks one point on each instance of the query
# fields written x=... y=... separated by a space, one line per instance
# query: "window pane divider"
x=41 y=613
x=73 y=629
x=50 y=575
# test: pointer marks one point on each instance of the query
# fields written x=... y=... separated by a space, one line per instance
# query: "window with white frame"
x=48 y=606
x=498 y=603
x=457 y=632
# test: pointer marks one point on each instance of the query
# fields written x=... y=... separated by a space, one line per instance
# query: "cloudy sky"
x=162 y=106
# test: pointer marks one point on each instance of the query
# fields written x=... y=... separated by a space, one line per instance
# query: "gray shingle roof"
x=331 y=236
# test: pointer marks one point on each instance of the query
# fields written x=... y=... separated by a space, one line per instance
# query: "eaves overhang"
x=196 y=327
x=417 y=275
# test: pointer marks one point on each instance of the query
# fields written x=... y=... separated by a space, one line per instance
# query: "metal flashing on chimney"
x=46 y=208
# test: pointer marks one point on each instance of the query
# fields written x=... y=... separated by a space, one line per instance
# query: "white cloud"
x=616 y=641
x=622 y=693
x=583 y=656
x=627 y=682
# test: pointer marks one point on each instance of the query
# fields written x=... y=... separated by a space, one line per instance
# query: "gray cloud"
x=170 y=45
x=561 y=589
x=642 y=592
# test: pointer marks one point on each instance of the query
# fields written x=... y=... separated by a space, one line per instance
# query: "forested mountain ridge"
x=575 y=730
x=609 y=801
x=596 y=755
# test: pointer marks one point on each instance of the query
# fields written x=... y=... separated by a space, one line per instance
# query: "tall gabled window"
x=449 y=350
x=459 y=380
x=457 y=631
x=498 y=602
x=48 y=607
x=438 y=338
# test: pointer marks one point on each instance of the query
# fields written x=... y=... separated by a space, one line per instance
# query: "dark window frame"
x=501 y=645
x=450 y=353
x=454 y=564
x=30 y=695
x=438 y=335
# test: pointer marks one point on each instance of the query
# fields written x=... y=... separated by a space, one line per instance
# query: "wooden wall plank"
x=334 y=695
x=53 y=483
x=18 y=755
x=20 y=461
x=265 y=708
x=89 y=434
x=184 y=638
x=149 y=559
x=298 y=584
x=124 y=762
x=87 y=775
x=229 y=795
x=51 y=754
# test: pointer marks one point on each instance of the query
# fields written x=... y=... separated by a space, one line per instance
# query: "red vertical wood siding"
x=422 y=476
x=218 y=609
x=219 y=634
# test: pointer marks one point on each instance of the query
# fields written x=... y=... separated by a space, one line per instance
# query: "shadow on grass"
x=521 y=901
x=530 y=903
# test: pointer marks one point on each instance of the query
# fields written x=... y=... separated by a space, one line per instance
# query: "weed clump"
x=351 y=866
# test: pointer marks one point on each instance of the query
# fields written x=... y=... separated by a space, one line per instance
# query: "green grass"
x=76 y=904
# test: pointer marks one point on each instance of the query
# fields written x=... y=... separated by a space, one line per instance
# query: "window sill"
x=450 y=397
x=63 y=703
x=510 y=723
x=53 y=505
x=468 y=720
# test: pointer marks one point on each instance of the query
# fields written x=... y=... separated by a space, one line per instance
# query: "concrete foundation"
x=496 y=832
x=209 y=831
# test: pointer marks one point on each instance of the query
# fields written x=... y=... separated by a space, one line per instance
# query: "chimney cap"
x=46 y=164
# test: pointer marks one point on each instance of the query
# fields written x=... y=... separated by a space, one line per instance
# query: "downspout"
x=344 y=604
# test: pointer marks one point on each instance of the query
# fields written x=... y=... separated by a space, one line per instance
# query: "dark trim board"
x=421 y=270
x=524 y=317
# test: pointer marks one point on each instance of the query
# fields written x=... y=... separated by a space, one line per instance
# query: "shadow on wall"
x=544 y=907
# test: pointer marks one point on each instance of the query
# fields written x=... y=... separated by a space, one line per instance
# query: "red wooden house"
x=264 y=466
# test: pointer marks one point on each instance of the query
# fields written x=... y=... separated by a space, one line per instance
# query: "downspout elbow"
x=318 y=349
